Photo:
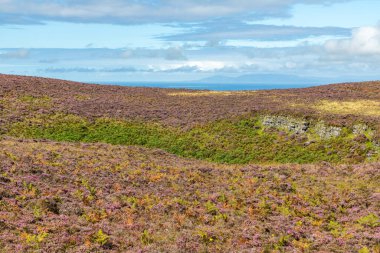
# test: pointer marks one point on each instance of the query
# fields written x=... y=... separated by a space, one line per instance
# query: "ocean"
x=212 y=86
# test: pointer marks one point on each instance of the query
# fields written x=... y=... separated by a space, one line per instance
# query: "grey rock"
x=288 y=123
x=360 y=129
x=327 y=132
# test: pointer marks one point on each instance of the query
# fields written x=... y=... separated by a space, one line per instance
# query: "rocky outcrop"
x=296 y=126
x=360 y=129
x=314 y=128
x=327 y=132
x=300 y=126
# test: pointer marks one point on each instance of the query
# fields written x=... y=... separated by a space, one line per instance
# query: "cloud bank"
x=172 y=39
x=364 y=41
x=143 y=11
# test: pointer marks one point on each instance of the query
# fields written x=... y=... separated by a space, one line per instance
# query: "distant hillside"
x=334 y=123
x=189 y=107
x=277 y=80
x=264 y=79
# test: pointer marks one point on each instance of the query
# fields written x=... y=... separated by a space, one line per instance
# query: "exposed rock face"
x=291 y=124
x=360 y=129
x=321 y=129
x=327 y=132
x=299 y=126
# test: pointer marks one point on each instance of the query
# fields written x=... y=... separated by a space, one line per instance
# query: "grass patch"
x=36 y=102
x=238 y=141
x=358 y=107
x=210 y=93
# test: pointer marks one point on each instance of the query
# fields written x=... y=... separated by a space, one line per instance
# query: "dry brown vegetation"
x=355 y=107
x=59 y=197
x=96 y=197
x=154 y=104
x=210 y=93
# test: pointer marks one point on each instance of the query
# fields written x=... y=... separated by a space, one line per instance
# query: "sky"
x=176 y=41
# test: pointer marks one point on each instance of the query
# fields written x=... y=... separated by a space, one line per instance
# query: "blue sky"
x=171 y=40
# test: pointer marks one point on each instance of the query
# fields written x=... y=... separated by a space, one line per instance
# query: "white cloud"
x=364 y=41
x=148 y=11
x=170 y=54
x=200 y=66
x=18 y=54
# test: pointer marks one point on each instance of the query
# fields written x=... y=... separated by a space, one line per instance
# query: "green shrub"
x=364 y=250
x=100 y=238
x=146 y=238
x=370 y=220
x=238 y=141
x=211 y=208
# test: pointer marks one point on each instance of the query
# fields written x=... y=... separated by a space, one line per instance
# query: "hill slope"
x=334 y=123
x=56 y=197
x=95 y=168
x=189 y=107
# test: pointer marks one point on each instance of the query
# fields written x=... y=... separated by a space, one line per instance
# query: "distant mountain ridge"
x=264 y=79
x=282 y=79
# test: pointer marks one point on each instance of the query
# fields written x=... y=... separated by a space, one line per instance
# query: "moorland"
x=102 y=168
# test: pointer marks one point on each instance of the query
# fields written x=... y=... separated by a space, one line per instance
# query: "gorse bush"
x=237 y=141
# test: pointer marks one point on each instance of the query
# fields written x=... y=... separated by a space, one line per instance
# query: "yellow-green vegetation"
x=34 y=240
x=100 y=237
x=36 y=102
x=210 y=93
x=355 y=107
x=370 y=220
x=146 y=238
x=235 y=141
x=364 y=250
